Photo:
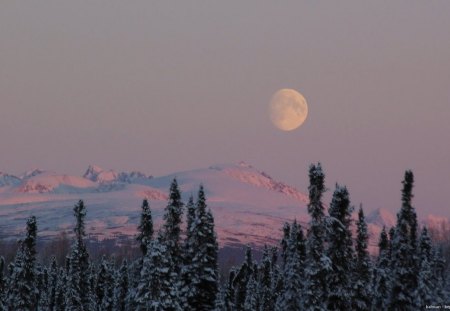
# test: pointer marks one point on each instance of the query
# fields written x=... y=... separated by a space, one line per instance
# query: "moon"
x=288 y=109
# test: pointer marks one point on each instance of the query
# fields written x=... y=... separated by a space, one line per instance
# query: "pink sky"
x=180 y=85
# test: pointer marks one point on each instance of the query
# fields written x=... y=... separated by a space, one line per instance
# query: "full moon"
x=288 y=109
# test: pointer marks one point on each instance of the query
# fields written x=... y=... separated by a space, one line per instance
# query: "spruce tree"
x=204 y=274
x=362 y=295
x=404 y=259
x=121 y=288
x=155 y=289
x=53 y=283
x=172 y=226
x=188 y=253
x=79 y=258
x=145 y=228
x=317 y=264
x=240 y=280
x=105 y=285
x=252 y=302
x=72 y=298
x=2 y=284
x=340 y=251
x=22 y=291
x=425 y=292
x=381 y=276
x=266 y=281
x=107 y=271
x=290 y=298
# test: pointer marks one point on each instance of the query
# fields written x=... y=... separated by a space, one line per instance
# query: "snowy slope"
x=248 y=205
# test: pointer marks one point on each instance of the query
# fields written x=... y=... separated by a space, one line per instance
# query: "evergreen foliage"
x=340 y=251
x=203 y=268
x=317 y=264
x=404 y=259
x=381 y=276
x=327 y=270
x=22 y=288
x=362 y=296
x=145 y=228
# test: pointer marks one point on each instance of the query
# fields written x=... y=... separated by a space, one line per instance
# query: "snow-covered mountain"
x=249 y=206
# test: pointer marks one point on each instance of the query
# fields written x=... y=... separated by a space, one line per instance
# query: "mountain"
x=249 y=206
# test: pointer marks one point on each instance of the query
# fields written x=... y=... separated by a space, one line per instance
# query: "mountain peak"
x=382 y=217
x=32 y=173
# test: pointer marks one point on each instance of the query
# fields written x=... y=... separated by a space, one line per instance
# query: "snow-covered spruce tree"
x=404 y=257
x=105 y=285
x=172 y=227
x=204 y=274
x=340 y=251
x=121 y=289
x=72 y=299
x=156 y=290
x=317 y=263
x=108 y=289
x=284 y=242
x=79 y=258
x=43 y=285
x=22 y=290
x=145 y=228
x=424 y=293
x=267 y=280
x=362 y=276
x=60 y=304
x=381 y=275
x=188 y=253
x=2 y=284
x=225 y=300
x=290 y=298
x=52 y=283
x=240 y=280
x=252 y=302
x=438 y=267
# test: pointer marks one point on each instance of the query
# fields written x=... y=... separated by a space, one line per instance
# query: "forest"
x=325 y=265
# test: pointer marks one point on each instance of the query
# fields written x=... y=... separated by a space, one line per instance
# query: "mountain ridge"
x=248 y=204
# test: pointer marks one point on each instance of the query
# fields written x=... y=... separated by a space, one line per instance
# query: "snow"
x=248 y=205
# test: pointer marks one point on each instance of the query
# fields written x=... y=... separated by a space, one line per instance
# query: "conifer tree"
x=404 y=259
x=121 y=288
x=79 y=258
x=188 y=253
x=72 y=300
x=317 y=263
x=362 y=295
x=155 y=289
x=107 y=271
x=381 y=276
x=53 y=283
x=105 y=285
x=284 y=241
x=22 y=291
x=290 y=296
x=251 y=302
x=266 y=281
x=340 y=251
x=203 y=288
x=172 y=226
x=424 y=293
x=60 y=304
x=2 y=284
x=240 y=280
x=145 y=228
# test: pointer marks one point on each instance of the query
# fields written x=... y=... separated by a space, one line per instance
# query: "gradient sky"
x=177 y=85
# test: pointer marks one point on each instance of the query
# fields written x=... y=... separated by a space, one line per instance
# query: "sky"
x=176 y=85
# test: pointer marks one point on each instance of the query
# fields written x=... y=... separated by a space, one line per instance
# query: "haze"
x=169 y=86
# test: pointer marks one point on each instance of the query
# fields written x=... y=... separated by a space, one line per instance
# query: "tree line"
x=321 y=267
